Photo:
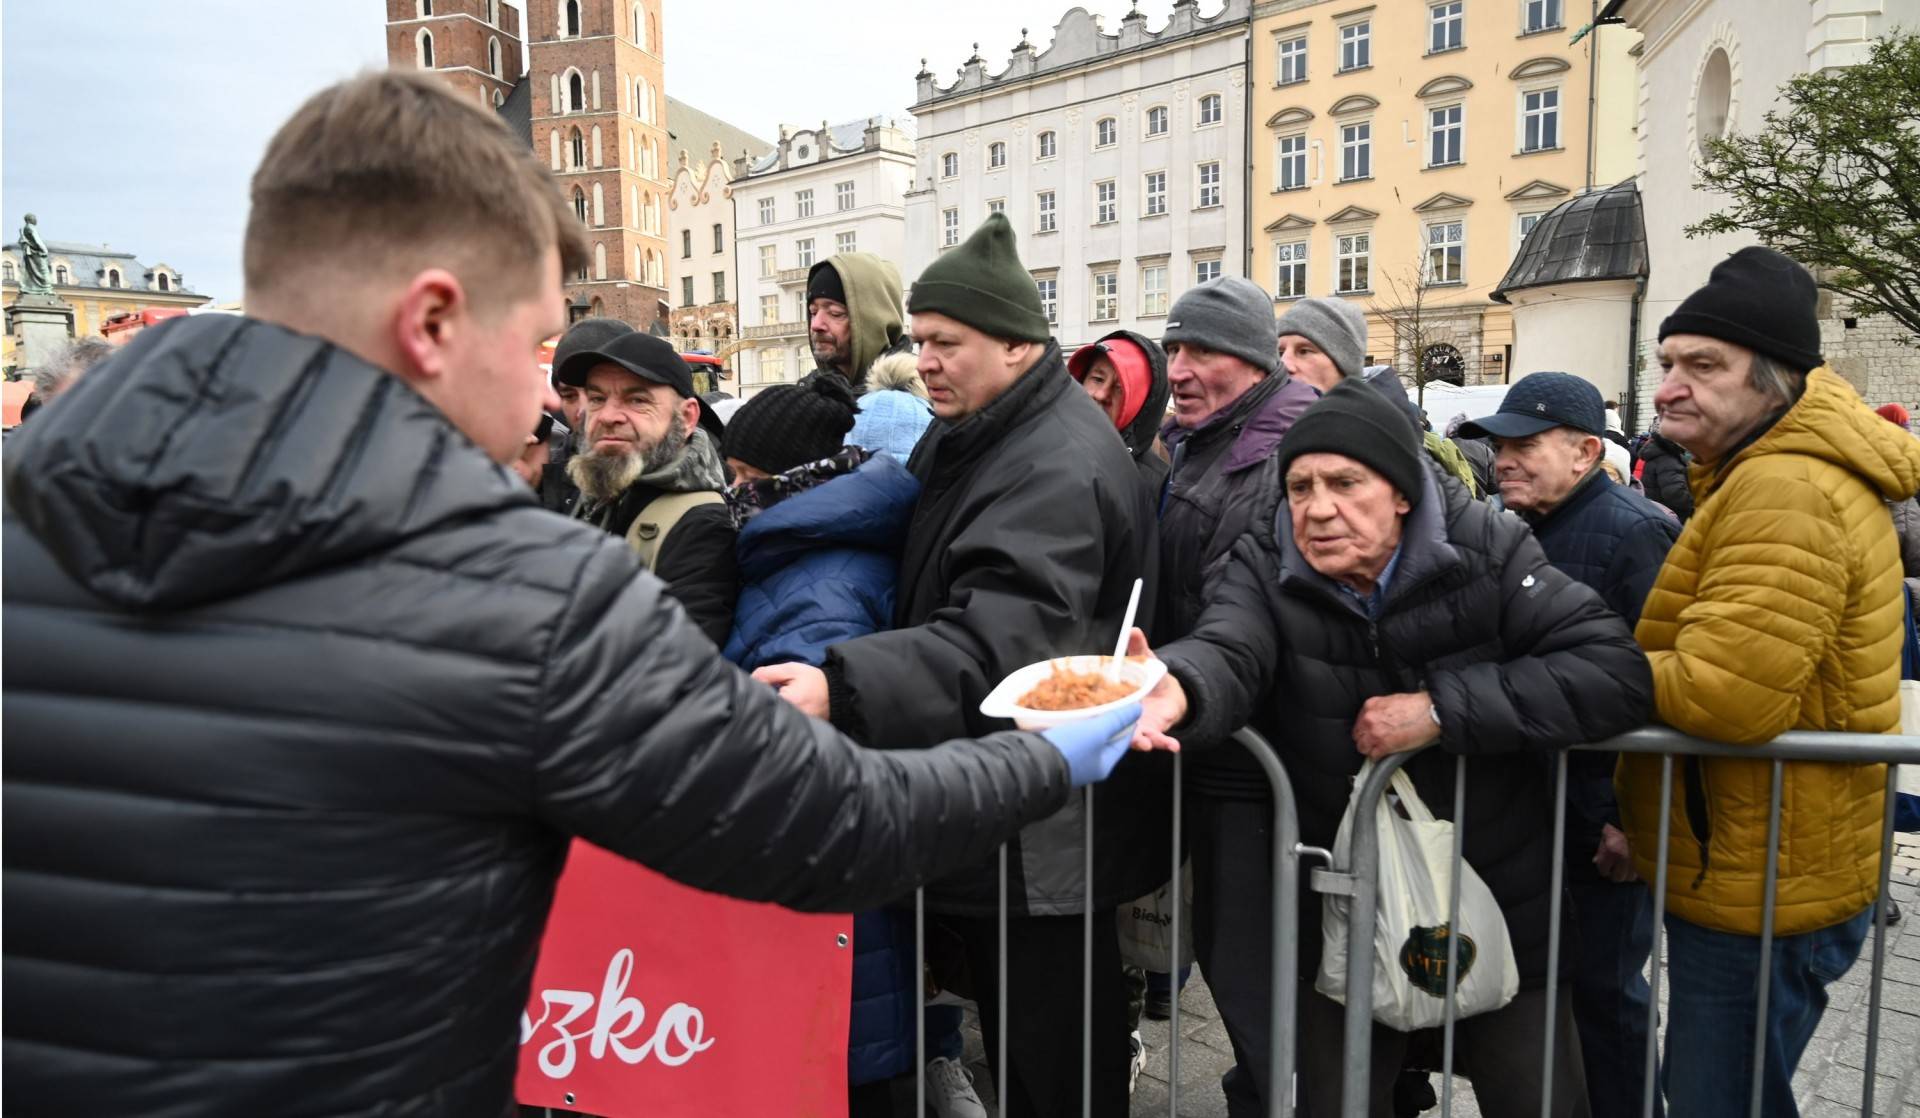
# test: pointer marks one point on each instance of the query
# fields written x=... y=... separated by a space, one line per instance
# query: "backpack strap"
x=648 y=533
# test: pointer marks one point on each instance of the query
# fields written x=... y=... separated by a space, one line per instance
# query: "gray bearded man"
x=649 y=471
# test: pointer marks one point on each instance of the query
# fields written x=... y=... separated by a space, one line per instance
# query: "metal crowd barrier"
x=1286 y=915
x=1360 y=878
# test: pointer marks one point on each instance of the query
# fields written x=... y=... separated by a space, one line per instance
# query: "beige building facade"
x=1402 y=150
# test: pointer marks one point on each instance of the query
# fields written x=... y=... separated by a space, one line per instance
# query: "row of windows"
x=719 y=245
x=1106 y=202
x=803 y=253
x=1106 y=133
x=719 y=289
x=571 y=27
x=843 y=200
x=649 y=266
x=1446 y=30
x=63 y=276
x=1443 y=259
x=1104 y=298
x=574 y=92
x=643 y=155
x=423 y=52
x=1538 y=130
x=645 y=210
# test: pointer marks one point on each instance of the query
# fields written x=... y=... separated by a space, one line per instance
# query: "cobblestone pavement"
x=1829 y=1082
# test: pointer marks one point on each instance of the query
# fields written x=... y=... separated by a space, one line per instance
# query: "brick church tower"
x=475 y=44
x=599 y=116
x=593 y=101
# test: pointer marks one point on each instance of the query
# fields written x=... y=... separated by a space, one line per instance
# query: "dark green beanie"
x=982 y=283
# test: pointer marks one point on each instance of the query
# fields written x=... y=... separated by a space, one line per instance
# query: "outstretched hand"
x=803 y=685
x=1164 y=707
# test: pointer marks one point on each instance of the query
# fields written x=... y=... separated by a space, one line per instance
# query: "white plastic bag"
x=1146 y=927
x=1410 y=929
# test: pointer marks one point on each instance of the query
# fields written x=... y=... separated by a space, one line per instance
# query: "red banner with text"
x=651 y=998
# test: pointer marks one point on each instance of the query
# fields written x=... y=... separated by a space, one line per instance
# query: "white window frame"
x=769 y=261
x=949 y=227
x=843 y=199
x=803 y=203
x=1106 y=202
x=996 y=155
x=1106 y=132
x=1356 y=246
x=1046 y=211
x=1290 y=261
x=846 y=242
x=949 y=165
x=1048 y=288
x=1153 y=289
x=1202 y=199
x=1219 y=106
x=1523 y=223
x=1297 y=158
x=1541 y=113
x=1356 y=45
x=1206 y=269
x=1436 y=138
x=1104 y=287
x=1153 y=194
x=1446 y=19
x=996 y=206
x=1542 y=15
x=769 y=309
x=1157 y=114
x=766 y=211
x=1356 y=137
x=803 y=252
x=1046 y=145
x=1286 y=59
x=1451 y=252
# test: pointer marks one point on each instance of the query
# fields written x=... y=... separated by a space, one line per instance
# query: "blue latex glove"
x=1093 y=746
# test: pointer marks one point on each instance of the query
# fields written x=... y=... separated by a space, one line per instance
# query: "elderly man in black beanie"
x=1373 y=607
x=1029 y=532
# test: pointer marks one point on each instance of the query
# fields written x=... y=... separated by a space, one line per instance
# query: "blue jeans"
x=1614 y=934
x=1710 y=1013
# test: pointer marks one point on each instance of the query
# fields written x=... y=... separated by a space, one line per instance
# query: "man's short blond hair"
x=391 y=173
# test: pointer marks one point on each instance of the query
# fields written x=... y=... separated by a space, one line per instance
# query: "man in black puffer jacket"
x=1030 y=530
x=305 y=696
x=1373 y=608
x=1663 y=473
x=1549 y=430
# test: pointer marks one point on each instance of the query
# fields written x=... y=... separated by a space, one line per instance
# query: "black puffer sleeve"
x=657 y=749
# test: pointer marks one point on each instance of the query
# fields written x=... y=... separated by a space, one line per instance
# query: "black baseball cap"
x=588 y=333
x=1538 y=401
x=646 y=357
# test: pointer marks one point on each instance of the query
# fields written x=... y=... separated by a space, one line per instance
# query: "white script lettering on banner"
x=678 y=1035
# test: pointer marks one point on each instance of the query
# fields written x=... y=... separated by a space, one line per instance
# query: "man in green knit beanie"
x=1029 y=532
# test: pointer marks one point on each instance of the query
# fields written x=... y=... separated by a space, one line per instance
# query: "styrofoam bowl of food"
x=1070 y=688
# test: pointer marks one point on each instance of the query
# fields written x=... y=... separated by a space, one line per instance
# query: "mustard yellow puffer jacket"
x=1779 y=608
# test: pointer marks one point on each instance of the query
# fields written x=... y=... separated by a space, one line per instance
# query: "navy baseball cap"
x=1538 y=401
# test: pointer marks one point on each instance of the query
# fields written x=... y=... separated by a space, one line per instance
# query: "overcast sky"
x=137 y=124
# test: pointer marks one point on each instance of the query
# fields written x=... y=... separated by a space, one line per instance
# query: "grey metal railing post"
x=1173 y=1018
x=1766 y=943
x=1554 y=913
x=1000 y=1045
x=1881 y=899
x=920 y=996
x=1648 y=1091
x=1284 y=996
x=1364 y=866
x=1452 y=1003
x=1086 y=972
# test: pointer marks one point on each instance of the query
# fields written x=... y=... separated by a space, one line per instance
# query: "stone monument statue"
x=33 y=251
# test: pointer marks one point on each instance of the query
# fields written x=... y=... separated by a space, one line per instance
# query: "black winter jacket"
x=1143 y=434
x=1029 y=532
x=1615 y=541
x=1519 y=659
x=304 y=699
x=1205 y=507
x=1664 y=476
x=697 y=558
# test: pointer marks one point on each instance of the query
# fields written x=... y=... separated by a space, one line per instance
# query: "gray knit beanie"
x=1338 y=327
x=1228 y=315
